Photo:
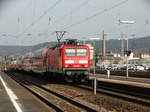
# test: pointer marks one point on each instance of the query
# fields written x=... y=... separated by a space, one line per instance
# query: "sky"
x=29 y=22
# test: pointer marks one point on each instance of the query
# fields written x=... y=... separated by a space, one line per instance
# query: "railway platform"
x=14 y=98
x=131 y=81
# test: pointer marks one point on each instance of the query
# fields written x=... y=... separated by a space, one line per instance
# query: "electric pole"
x=122 y=44
x=104 y=44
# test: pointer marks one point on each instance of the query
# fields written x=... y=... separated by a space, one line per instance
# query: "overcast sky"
x=29 y=22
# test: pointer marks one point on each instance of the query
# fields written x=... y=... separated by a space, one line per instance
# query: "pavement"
x=14 y=98
x=132 y=81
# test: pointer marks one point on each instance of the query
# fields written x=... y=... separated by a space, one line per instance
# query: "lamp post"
x=127 y=22
x=94 y=57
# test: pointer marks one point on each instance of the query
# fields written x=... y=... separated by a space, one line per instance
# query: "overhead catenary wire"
x=95 y=35
x=34 y=10
x=74 y=10
x=96 y=14
x=86 y=19
x=146 y=31
x=40 y=17
x=85 y=2
x=143 y=31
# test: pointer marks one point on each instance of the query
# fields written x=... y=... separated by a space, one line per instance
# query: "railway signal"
x=127 y=52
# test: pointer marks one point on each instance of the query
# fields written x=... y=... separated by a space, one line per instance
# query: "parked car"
x=140 y=68
x=147 y=67
x=131 y=68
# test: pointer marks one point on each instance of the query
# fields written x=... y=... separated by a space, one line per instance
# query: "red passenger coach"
x=68 y=59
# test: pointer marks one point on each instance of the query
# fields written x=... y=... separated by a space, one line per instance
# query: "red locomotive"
x=66 y=59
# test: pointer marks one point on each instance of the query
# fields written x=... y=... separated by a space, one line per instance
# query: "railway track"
x=103 y=89
x=53 y=99
x=119 y=93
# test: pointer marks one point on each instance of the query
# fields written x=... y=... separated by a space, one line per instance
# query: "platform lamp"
x=127 y=22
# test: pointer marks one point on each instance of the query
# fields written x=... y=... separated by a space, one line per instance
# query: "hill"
x=135 y=45
x=114 y=45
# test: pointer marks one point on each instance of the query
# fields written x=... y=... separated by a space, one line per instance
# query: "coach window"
x=81 y=52
x=70 y=52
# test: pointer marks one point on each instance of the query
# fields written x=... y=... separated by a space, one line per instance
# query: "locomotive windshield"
x=76 y=52
x=81 y=52
x=70 y=52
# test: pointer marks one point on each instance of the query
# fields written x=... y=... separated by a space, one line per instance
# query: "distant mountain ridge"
x=114 y=45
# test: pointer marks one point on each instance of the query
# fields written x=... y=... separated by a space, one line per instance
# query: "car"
x=140 y=68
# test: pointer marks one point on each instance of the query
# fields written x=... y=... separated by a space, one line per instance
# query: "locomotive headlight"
x=83 y=61
x=66 y=65
x=85 y=65
x=69 y=61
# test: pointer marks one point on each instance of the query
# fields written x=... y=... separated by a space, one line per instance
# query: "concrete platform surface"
x=14 y=98
x=133 y=81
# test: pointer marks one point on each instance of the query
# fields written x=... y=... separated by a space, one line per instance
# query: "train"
x=67 y=59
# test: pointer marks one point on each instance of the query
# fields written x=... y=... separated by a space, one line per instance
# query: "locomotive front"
x=76 y=61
